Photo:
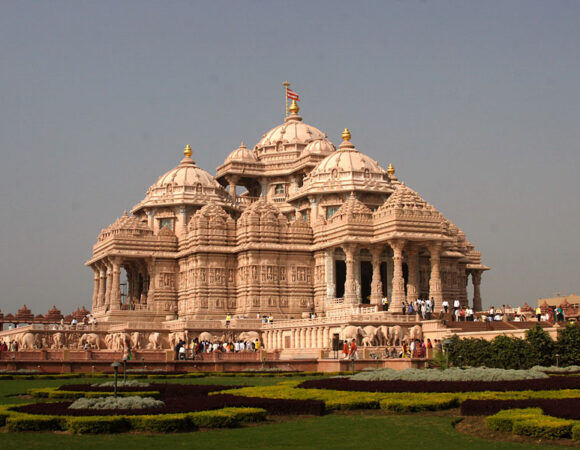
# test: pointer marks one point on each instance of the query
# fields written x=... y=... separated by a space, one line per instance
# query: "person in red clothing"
x=353 y=349
x=345 y=350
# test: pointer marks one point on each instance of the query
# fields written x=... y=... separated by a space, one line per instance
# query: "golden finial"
x=346 y=135
x=294 y=107
x=187 y=151
x=391 y=170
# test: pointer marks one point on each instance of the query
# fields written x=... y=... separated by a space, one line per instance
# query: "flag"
x=292 y=95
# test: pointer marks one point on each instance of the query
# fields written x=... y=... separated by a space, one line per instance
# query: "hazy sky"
x=477 y=105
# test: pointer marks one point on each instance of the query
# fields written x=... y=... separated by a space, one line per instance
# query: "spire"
x=346 y=144
x=187 y=151
x=346 y=135
x=294 y=108
x=391 y=170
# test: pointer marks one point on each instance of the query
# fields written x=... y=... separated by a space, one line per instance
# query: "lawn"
x=335 y=431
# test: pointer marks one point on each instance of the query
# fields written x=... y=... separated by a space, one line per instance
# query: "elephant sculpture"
x=352 y=332
x=58 y=341
x=92 y=339
x=136 y=340
x=397 y=335
x=27 y=341
x=249 y=336
x=415 y=332
x=370 y=337
x=383 y=335
x=155 y=341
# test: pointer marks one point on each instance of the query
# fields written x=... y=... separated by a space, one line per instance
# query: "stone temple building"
x=290 y=227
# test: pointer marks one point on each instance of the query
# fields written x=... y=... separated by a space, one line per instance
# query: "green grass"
x=328 y=432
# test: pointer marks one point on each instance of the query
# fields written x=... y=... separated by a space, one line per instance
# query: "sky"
x=476 y=104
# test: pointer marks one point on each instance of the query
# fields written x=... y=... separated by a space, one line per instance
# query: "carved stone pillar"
x=102 y=285
x=319 y=337
x=183 y=221
x=329 y=272
x=150 y=218
x=350 y=294
x=109 y=285
x=292 y=338
x=325 y=338
x=435 y=290
x=413 y=265
x=376 y=284
x=95 y=286
x=115 y=300
x=314 y=209
x=476 y=280
x=302 y=338
x=308 y=343
x=398 y=281
x=152 y=276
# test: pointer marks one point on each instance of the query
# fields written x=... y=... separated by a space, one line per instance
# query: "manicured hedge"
x=531 y=422
x=432 y=402
x=164 y=423
x=504 y=420
x=98 y=425
x=565 y=408
x=55 y=393
x=544 y=427
x=576 y=432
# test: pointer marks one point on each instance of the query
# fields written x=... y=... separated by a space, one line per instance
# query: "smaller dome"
x=319 y=147
x=352 y=208
x=242 y=154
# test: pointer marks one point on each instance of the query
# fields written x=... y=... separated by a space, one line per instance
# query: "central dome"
x=292 y=131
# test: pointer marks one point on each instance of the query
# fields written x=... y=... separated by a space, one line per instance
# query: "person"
x=404 y=307
x=445 y=306
x=182 y=353
x=429 y=347
x=456 y=305
x=384 y=303
x=345 y=349
x=538 y=313
x=353 y=354
x=228 y=318
x=74 y=322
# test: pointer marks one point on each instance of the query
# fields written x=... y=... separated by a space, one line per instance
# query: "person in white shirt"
x=445 y=305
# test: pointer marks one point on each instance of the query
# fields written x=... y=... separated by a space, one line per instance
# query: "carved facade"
x=315 y=229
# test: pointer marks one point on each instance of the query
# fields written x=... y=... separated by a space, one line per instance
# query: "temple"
x=290 y=228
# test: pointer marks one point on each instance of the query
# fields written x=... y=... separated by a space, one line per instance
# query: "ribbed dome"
x=348 y=159
x=292 y=131
x=186 y=174
x=242 y=154
x=319 y=146
x=185 y=184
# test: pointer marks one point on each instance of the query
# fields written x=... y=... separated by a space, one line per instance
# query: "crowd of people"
x=197 y=347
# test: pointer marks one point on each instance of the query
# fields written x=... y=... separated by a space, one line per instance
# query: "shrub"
x=215 y=419
x=132 y=402
x=247 y=414
x=504 y=420
x=29 y=422
x=3 y=417
x=122 y=384
x=433 y=402
x=164 y=423
x=452 y=374
x=97 y=424
x=576 y=432
x=564 y=408
x=544 y=427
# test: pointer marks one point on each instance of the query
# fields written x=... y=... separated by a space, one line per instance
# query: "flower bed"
x=345 y=384
x=565 y=408
x=181 y=398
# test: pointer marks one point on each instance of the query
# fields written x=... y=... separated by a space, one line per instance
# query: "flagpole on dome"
x=286 y=85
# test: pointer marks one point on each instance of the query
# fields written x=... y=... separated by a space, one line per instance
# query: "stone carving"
x=92 y=339
x=370 y=337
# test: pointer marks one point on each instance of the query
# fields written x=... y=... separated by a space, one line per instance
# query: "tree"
x=510 y=353
x=568 y=345
x=542 y=347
